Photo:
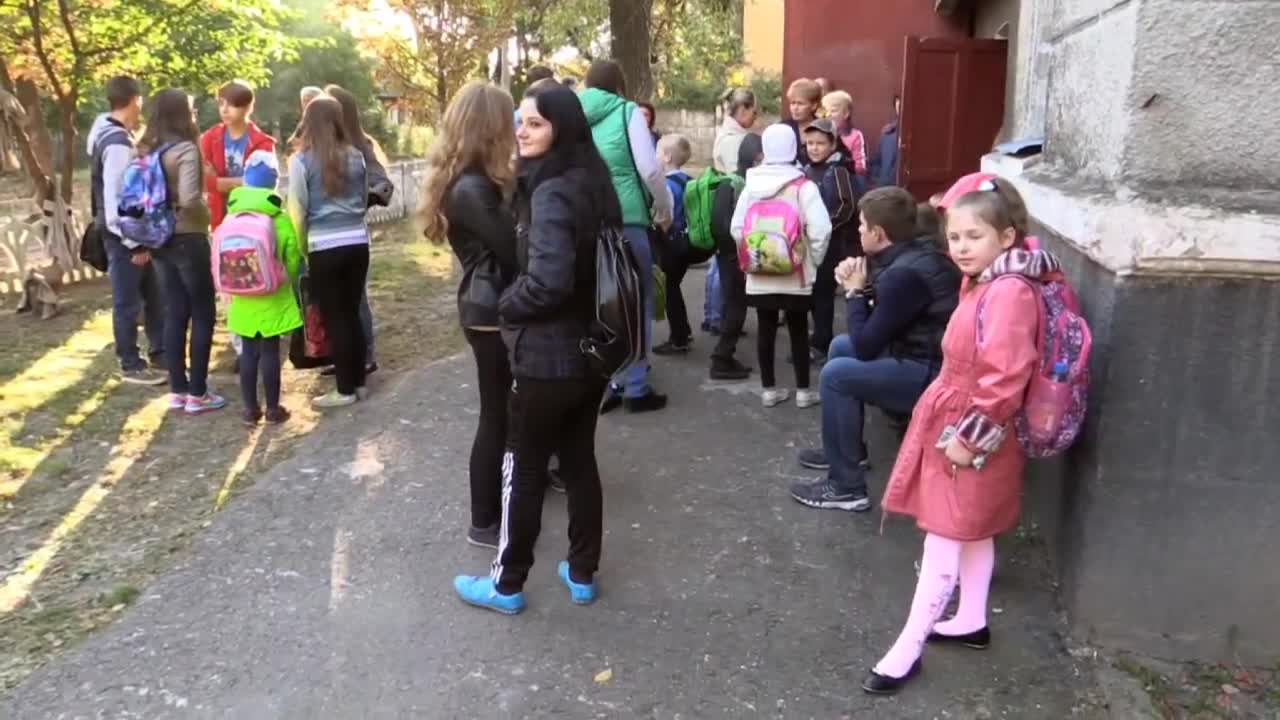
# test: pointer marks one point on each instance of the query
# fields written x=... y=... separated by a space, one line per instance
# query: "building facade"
x=1159 y=186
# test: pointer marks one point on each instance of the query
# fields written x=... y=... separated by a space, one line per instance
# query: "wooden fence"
x=33 y=237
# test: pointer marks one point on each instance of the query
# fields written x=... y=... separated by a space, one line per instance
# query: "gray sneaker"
x=143 y=376
x=826 y=496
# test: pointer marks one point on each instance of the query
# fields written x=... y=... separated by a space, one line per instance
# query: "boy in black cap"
x=828 y=168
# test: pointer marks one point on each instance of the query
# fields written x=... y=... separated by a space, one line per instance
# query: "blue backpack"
x=146 y=217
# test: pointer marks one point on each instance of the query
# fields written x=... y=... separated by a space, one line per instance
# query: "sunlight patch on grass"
x=58 y=369
x=132 y=442
x=431 y=260
x=237 y=469
x=21 y=462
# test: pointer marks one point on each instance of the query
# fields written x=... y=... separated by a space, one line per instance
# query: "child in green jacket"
x=262 y=320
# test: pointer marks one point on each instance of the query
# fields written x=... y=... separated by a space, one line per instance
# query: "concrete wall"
x=700 y=128
x=1162 y=519
x=1162 y=92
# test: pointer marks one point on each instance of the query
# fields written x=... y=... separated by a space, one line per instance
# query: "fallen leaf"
x=604 y=676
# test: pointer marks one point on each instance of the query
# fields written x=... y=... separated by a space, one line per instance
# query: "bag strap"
x=1040 y=310
x=631 y=158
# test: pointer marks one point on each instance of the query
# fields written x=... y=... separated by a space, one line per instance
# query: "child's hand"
x=958 y=454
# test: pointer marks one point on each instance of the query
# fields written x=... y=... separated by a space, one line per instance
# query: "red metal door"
x=952 y=108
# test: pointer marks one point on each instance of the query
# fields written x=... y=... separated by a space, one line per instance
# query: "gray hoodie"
x=116 y=156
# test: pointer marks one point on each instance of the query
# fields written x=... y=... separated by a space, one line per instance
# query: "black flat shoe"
x=977 y=640
x=877 y=684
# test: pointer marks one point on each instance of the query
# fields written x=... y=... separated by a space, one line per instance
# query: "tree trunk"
x=34 y=140
x=629 y=27
x=67 y=112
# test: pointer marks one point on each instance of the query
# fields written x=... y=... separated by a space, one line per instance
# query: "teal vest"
x=609 y=116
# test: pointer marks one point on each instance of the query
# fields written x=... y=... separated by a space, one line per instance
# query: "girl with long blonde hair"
x=464 y=200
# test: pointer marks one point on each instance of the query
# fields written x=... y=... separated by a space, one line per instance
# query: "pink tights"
x=944 y=560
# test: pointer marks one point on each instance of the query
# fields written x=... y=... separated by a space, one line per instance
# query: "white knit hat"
x=779 y=145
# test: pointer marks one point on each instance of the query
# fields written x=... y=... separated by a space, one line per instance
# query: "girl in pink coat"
x=959 y=471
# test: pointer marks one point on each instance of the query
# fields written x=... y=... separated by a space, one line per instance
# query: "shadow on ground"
x=324 y=592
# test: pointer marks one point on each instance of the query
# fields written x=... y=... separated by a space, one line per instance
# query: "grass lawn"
x=100 y=487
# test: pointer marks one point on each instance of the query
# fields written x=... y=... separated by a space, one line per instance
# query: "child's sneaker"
x=251 y=416
x=277 y=416
x=333 y=399
x=204 y=403
x=177 y=401
x=775 y=396
x=807 y=398
x=480 y=591
x=579 y=593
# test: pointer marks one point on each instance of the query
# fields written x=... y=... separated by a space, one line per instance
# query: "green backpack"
x=699 y=196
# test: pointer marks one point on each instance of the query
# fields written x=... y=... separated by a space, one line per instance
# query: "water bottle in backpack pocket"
x=244 y=258
x=772 y=234
x=146 y=217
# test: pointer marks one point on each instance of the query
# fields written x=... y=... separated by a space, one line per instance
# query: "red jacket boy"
x=226 y=147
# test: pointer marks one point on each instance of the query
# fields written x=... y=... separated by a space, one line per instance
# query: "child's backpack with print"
x=146 y=217
x=1057 y=397
x=699 y=198
x=244 y=259
x=772 y=234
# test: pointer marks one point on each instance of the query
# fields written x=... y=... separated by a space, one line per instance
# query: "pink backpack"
x=244 y=256
x=772 y=234
x=1057 y=398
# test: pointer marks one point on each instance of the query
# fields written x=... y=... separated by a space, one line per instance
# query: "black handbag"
x=93 y=250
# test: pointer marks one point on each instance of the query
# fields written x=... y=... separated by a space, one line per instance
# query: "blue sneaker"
x=479 y=591
x=580 y=594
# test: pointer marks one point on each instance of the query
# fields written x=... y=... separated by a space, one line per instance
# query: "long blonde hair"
x=476 y=131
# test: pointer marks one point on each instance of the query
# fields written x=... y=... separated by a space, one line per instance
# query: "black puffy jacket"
x=482 y=233
x=548 y=309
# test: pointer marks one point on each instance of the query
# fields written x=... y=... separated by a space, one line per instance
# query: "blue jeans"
x=847 y=385
x=133 y=289
x=634 y=379
x=713 y=303
x=188 y=288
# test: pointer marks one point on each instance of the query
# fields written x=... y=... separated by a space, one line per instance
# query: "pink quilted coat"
x=988 y=359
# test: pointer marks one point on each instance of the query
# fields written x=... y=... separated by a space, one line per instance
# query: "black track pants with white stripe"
x=546 y=417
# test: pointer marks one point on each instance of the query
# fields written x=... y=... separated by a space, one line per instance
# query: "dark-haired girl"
x=563 y=198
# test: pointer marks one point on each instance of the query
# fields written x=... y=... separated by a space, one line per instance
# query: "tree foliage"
x=544 y=27
x=697 y=47
x=427 y=49
x=64 y=47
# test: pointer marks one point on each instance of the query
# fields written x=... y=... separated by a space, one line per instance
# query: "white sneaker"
x=807 y=398
x=333 y=399
x=775 y=396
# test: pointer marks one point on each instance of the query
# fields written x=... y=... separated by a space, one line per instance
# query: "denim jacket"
x=328 y=221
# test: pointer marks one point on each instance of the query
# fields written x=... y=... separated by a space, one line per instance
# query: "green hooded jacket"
x=609 y=116
x=275 y=314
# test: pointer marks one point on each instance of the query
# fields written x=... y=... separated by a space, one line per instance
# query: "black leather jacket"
x=547 y=310
x=482 y=234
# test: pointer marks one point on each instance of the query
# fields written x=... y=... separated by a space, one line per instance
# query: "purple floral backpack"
x=146 y=215
x=1057 y=398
